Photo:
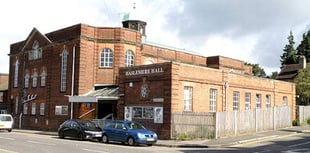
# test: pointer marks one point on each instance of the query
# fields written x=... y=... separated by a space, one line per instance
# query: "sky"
x=254 y=31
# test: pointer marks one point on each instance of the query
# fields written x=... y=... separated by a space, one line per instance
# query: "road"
x=16 y=142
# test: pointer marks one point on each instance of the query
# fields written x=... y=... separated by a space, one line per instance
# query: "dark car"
x=81 y=129
x=130 y=132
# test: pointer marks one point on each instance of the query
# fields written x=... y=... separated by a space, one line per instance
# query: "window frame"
x=284 y=101
x=247 y=100
x=63 y=70
x=236 y=100
x=268 y=101
x=188 y=99
x=258 y=101
x=213 y=100
x=106 y=58
x=129 y=58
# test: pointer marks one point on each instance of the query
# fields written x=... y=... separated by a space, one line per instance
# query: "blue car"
x=130 y=132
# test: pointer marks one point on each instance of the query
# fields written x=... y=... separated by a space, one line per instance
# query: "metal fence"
x=303 y=114
x=225 y=124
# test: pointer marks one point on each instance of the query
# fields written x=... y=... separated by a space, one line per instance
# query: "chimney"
x=302 y=62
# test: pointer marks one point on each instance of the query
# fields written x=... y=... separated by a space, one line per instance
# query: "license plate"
x=98 y=135
x=150 y=139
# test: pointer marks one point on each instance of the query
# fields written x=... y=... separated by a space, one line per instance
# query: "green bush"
x=308 y=121
x=295 y=123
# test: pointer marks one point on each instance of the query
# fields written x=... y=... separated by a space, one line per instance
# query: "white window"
x=27 y=80
x=284 y=103
x=247 y=101
x=258 y=101
x=35 y=79
x=33 y=108
x=63 y=79
x=36 y=52
x=188 y=98
x=213 y=93
x=16 y=74
x=25 y=110
x=129 y=58
x=268 y=101
x=42 y=108
x=236 y=100
x=43 y=78
x=106 y=58
x=61 y=110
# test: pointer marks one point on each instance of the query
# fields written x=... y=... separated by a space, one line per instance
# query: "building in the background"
x=74 y=73
x=5 y=103
x=290 y=71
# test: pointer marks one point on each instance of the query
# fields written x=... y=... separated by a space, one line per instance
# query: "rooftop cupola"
x=132 y=20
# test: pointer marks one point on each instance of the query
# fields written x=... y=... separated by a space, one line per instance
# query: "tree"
x=274 y=75
x=289 y=54
x=257 y=71
x=302 y=82
x=304 y=46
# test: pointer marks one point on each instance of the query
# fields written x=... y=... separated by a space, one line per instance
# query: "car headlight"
x=140 y=135
x=155 y=135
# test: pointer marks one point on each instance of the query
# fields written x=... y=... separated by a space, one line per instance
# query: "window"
x=106 y=58
x=43 y=78
x=236 y=100
x=1 y=96
x=33 y=108
x=247 y=101
x=258 y=101
x=35 y=79
x=268 y=101
x=129 y=58
x=42 y=108
x=284 y=103
x=15 y=84
x=61 y=110
x=188 y=98
x=213 y=100
x=27 y=76
x=63 y=79
x=25 y=111
x=36 y=52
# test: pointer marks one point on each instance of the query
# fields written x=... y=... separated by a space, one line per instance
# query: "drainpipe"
x=226 y=88
x=72 y=82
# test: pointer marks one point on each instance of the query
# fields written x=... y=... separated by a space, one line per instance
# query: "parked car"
x=6 y=122
x=81 y=129
x=130 y=132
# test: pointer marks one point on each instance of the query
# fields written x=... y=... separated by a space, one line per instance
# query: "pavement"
x=214 y=143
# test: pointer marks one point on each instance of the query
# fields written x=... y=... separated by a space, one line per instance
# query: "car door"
x=120 y=132
x=109 y=130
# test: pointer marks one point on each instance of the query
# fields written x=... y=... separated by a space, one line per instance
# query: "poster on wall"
x=148 y=112
x=158 y=112
x=137 y=112
x=128 y=113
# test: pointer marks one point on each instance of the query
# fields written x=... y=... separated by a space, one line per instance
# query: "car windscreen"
x=5 y=118
x=133 y=125
x=88 y=124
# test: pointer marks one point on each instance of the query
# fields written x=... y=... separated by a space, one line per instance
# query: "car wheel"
x=81 y=136
x=131 y=141
x=105 y=139
x=9 y=130
x=61 y=135
x=149 y=144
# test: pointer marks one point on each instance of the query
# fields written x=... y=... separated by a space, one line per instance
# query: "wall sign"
x=144 y=71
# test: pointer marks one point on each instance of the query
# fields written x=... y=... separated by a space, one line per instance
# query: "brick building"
x=80 y=72
x=5 y=103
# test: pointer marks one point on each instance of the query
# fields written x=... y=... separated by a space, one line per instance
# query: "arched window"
x=16 y=74
x=36 y=52
x=63 y=79
x=43 y=77
x=106 y=58
x=34 y=78
x=129 y=58
x=27 y=76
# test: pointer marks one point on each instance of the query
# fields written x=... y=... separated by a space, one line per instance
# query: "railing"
x=101 y=122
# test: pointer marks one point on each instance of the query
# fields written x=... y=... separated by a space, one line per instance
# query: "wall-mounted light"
x=130 y=84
